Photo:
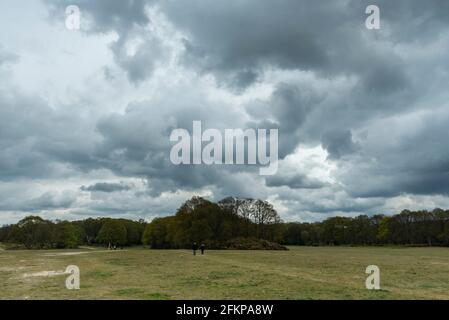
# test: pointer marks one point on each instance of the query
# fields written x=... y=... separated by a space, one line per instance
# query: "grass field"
x=300 y=273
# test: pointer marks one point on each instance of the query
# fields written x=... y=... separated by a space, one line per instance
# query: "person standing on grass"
x=194 y=247
x=203 y=247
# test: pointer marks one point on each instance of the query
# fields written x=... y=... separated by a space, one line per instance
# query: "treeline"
x=33 y=232
x=231 y=222
x=414 y=228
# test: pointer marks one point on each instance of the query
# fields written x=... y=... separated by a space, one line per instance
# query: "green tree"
x=156 y=233
x=5 y=233
x=384 y=230
x=33 y=232
x=134 y=231
x=91 y=229
x=67 y=235
x=113 y=232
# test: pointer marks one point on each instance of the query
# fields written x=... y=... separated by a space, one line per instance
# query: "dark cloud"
x=329 y=38
x=410 y=156
x=294 y=181
x=46 y=201
x=34 y=137
x=288 y=109
x=106 y=187
x=50 y=200
x=339 y=143
x=136 y=143
x=237 y=42
x=225 y=39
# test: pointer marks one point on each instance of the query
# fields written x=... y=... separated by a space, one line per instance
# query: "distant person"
x=194 y=248
x=203 y=247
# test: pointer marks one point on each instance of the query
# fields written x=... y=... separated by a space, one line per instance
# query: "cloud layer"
x=85 y=117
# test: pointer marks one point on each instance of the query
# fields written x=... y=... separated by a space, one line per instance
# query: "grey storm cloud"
x=339 y=143
x=294 y=181
x=288 y=107
x=106 y=187
x=249 y=36
x=46 y=201
x=136 y=144
x=374 y=100
x=237 y=42
x=410 y=158
x=51 y=201
x=36 y=137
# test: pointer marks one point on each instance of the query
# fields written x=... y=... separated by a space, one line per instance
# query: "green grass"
x=300 y=273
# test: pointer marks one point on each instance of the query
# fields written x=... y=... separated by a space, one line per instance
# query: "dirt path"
x=77 y=253
x=44 y=274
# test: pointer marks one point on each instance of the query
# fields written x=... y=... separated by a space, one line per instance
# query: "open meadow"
x=300 y=273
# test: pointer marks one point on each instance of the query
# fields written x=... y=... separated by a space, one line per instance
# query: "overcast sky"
x=85 y=116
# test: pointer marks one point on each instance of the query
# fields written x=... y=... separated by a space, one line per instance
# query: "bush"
x=246 y=244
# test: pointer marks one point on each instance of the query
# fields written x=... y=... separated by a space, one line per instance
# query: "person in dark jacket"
x=194 y=248
x=202 y=247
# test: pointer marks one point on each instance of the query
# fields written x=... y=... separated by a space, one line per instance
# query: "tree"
x=292 y=234
x=91 y=229
x=263 y=214
x=336 y=230
x=361 y=230
x=5 y=233
x=33 y=232
x=156 y=233
x=134 y=231
x=67 y=235
x=384 y=230
x=112 y=232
